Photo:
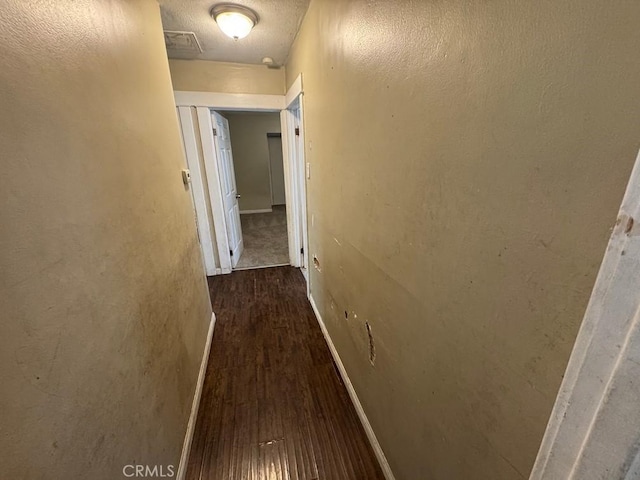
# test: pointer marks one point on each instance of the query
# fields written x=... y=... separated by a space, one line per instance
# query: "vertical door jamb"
x=295 y=178
x=288 y=157
x=196 y=186
x=302 y=179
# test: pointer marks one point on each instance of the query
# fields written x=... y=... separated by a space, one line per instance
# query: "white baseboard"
x=186 y=446
x=264 y=210
x=261 y=266
x=377 y=449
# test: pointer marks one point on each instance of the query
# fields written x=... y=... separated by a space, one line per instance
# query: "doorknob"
x=238 y=195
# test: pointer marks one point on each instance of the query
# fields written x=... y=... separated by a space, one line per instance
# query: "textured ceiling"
x=271 y=37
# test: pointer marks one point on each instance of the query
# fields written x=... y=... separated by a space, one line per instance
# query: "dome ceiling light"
x=235 y=21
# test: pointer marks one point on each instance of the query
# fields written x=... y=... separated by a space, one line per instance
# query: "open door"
x=229 y=191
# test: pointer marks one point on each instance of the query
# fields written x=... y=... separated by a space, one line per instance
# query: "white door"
x=228 y=185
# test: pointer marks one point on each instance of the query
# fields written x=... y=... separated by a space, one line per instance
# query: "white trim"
x=302 y=179
x=295 y=184
x=377 y=449
x=197 y=188
x=592 y=431
x=188 y=438
x=294 y=91
x=262 y=210
x=293 y=163
x=288 y=158
x=230 y=101
x=215 y=192
x=261 y=266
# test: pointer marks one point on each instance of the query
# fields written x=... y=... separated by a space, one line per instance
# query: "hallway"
x=273 y=406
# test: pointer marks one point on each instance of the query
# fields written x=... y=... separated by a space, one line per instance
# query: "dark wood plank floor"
x=273 y=405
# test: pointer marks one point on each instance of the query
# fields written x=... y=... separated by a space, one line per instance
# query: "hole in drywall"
x=316 y=263
x=346 y=315
x=372 y=347
x=629 y=226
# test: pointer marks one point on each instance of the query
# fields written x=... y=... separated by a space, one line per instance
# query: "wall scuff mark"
x=372 y=347
x=629 y=226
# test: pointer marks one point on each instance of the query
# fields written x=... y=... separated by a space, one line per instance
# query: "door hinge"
x=231 y=252
x=302 y=250
x=298 y=131
x=215 y=132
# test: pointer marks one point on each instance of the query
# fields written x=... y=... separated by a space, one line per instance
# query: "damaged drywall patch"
x=629 y=226
x=316 y=263
x=628 y=221
x=372 y=347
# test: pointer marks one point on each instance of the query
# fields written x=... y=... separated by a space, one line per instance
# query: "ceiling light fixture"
x=235 y=21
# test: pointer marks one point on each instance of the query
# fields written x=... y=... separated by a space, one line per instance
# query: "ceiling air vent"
x=182 y=42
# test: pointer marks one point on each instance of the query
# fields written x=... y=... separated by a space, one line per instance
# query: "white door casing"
x=295 y=182
x=593 y=432
x=294 y=166
x=301 y=172
x=290 y=187
x=224 y=156
x=188 y=131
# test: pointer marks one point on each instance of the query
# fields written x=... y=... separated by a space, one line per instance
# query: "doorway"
x=253 y=168
x=213 y=190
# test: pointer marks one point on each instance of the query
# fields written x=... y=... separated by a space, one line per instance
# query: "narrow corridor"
x=273 y=405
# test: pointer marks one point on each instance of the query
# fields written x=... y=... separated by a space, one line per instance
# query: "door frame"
x=198 y=192
x=602 y=372
x=295 y=171
x=294 y=164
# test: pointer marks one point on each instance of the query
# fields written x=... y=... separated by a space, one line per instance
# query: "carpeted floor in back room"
x=265 y=239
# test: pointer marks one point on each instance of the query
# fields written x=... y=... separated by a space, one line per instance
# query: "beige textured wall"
x=208 y=76
x=276 y=162
x=251 y=156
x=103 y=300
x=467 y=163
